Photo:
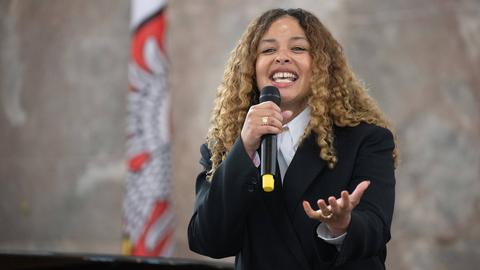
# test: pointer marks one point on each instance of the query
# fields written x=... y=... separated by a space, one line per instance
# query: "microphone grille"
x=270 y=93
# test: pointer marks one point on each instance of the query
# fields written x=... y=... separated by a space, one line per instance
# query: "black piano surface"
x=53 y=260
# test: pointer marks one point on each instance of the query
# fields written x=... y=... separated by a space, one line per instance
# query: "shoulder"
x=364 y=133
x=363 y=129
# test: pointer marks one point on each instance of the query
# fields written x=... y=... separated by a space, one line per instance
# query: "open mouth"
x=283 y=77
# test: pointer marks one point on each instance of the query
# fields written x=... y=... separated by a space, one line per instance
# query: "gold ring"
x=265 y=121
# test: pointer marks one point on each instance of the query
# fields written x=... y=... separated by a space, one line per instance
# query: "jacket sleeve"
x=217 y=226
x=369 y=229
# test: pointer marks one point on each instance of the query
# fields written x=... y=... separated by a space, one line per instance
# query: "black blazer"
x=234 y=217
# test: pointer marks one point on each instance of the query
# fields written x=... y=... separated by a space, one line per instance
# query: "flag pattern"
x=148 y=220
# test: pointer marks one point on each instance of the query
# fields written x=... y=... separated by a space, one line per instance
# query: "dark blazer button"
x=252 y=186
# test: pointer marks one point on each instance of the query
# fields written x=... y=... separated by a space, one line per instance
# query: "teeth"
x=283 y=80
x=284 y=77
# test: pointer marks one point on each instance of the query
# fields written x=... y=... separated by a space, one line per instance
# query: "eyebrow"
x=272 y=40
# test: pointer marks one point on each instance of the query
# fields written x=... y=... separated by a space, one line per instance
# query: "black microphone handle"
x=269 y=143
x=268 y=159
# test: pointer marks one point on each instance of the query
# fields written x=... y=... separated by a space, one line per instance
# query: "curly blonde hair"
x=336 y=98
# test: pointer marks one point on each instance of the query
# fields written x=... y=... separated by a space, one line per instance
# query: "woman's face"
x=284 y=61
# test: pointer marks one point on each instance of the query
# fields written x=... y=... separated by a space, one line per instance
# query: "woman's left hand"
x=338 y=213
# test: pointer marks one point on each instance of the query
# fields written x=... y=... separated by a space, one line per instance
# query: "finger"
x=257 y=118
x=263 y=109
x=271 y=114
x=253 y=131
x=345 y=200
x=268 y=130
x=272 y=121
x=268 y=105
x=323 y=207
x=358 y=192
x=286 y=116
x=334 y=205
x=309 y=211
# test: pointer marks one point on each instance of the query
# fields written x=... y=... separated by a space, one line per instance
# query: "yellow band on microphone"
x=267 y=182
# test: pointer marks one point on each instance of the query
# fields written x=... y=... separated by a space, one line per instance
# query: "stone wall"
x=63 y=86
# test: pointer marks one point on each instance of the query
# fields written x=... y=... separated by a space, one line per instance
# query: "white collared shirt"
x=288 y=140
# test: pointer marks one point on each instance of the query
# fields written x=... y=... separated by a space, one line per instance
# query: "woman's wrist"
x=250 y=150
x=339 y=229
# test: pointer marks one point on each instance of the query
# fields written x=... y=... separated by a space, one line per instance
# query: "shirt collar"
x=297 y=125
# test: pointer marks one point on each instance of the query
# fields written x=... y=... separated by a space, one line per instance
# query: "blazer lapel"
x=303 y=169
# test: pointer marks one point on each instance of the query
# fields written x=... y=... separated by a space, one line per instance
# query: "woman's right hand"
x=254 y=126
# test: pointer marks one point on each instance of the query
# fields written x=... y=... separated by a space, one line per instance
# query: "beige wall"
x=63 y=86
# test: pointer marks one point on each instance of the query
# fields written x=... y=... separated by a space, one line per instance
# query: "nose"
x=282 y=58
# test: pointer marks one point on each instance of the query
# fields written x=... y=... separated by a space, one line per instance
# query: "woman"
x=334 y=143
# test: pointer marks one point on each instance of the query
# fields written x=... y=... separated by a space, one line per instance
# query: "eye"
x=299 y=49
x=267 y=51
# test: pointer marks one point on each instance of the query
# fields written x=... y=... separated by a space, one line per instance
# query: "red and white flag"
x=148 y=217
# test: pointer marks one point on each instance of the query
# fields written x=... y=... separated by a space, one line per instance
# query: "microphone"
x=268 y=159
